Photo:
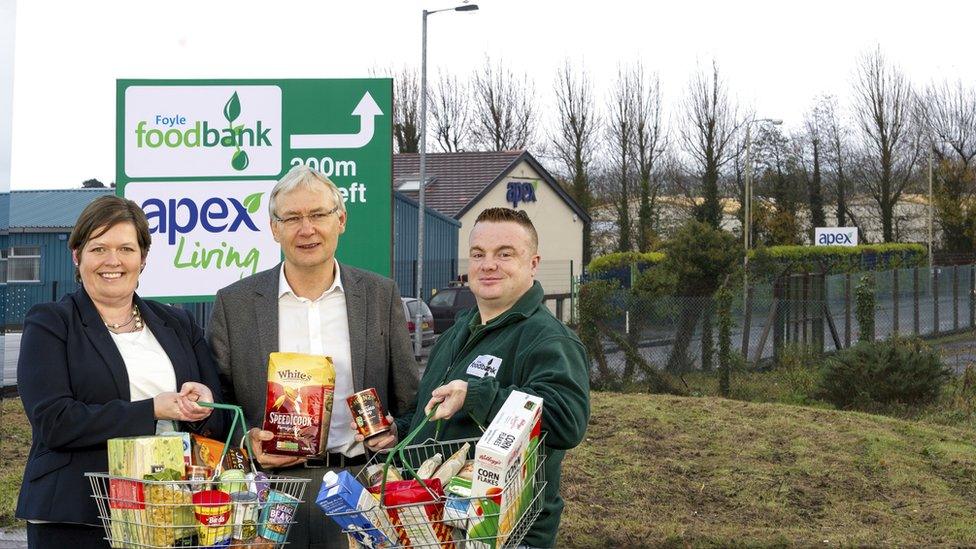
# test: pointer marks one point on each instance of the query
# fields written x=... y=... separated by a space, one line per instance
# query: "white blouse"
x=149 y=368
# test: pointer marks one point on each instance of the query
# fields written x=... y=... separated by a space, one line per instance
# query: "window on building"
x=3 y=266
x=23 y=264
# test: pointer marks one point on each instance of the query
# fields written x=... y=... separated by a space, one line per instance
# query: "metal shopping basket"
x=438 y=518
x=164 y=510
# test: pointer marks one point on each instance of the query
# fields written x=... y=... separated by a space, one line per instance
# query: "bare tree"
x=505 y=117
x=948 y=112
x=889 y=143
x=574 y=140
x=837 y=154
x=620 y=137
x=406 y=109
x=707 y=136
x=649 y=141
x=449 y=107
x=811 y=144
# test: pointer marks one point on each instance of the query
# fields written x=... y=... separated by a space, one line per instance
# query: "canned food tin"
x=368 y=413
x=277 y=515
x=199 y=476
x=245 y=515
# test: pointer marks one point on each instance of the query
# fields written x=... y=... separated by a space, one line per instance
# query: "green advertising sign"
x=201 y=157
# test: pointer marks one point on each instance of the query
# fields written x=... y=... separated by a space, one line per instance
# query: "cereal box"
x=504 y=469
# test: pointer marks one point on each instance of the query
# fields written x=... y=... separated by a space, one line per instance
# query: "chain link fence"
x=774 y=331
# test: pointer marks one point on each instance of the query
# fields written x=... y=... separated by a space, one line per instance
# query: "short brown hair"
x=519 y=217
x=104 y=213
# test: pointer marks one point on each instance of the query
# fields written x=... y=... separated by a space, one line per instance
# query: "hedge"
x=797 y=259
x=621 y=260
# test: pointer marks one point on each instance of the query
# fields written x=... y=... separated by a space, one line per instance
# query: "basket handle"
x=238 y=414
x=398 y=450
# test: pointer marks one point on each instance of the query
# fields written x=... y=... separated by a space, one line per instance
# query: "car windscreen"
x=443 y=298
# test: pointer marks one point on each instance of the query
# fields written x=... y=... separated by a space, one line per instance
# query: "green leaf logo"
x=233 y=108
x=253 y=202
x=535 y=184
x=240 y=160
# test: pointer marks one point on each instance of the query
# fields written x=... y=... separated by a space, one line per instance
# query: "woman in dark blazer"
x=103 y=363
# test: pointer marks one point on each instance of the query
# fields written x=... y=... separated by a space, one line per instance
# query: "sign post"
x=835 y=236
x=201 y=157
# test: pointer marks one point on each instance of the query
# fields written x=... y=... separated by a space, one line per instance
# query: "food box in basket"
x=504 y=469
x=136 y=458
x=356 y=510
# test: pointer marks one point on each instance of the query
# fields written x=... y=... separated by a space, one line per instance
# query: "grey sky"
x=776 y=55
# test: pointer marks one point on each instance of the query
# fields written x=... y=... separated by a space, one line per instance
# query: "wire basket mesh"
x=445 y=518
x=254 y=513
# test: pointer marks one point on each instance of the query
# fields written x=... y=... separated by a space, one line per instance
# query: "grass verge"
x=658 y=470
x=15 y=439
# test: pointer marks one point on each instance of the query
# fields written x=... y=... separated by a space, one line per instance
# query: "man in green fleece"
x=510 y=342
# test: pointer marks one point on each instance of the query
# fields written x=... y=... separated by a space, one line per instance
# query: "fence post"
x=805 y=310
x=746 y=322
x=972 y=296
x=779 y=318
x=915 y=292
x=955 y=297
x=935 y=301
x=894 y=302
x=572 y=295
x=821 y=307
x=847 y=310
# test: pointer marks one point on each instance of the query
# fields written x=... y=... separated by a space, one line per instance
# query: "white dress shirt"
x=321 y=327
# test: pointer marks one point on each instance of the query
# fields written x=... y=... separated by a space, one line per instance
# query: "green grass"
x=660 y=470
x=15 y=439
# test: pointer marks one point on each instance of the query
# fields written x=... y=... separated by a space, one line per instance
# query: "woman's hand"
x=182 y=406
x=269 y=461
x=191 y=393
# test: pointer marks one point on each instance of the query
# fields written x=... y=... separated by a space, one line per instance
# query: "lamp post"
x=419 y=318
x=747 y=204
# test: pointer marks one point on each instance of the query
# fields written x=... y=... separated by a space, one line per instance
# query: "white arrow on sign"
x=366 y=110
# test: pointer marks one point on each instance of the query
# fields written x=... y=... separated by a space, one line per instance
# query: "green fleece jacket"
x=539 y=356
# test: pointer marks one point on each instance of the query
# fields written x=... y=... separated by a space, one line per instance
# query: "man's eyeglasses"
x=318 y=219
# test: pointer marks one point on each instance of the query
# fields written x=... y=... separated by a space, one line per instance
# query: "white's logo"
x=484 y=365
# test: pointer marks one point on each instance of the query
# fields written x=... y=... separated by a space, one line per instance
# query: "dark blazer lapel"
x=101 y=340
x=356 y=315
x=168 y=340
x=266 y=316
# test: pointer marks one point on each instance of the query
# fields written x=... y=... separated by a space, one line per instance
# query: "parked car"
x=446 y=304
x=410 y=313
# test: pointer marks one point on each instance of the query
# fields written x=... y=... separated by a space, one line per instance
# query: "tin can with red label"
x=367 y=412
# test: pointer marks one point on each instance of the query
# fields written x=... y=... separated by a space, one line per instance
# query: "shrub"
x=876 y=374
x=864 y=307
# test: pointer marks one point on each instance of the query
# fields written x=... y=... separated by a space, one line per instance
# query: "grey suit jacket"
x=243 y=331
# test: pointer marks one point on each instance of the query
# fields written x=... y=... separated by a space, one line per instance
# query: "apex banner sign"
x=835 y=236
x=201 y=158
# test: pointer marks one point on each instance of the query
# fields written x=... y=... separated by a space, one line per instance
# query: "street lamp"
x=418 y=320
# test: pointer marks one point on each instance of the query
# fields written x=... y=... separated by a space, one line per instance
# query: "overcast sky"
x=776 y=56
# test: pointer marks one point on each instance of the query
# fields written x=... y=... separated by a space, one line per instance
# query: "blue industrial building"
x=36 y=266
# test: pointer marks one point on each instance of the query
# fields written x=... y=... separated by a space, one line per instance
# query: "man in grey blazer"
x=312 y=304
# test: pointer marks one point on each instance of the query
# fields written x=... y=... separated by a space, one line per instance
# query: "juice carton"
x=504 y=469
x=353 y=508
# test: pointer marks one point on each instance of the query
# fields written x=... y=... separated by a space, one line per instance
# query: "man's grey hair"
x=306 y=178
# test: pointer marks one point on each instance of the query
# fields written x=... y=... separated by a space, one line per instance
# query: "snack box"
x=353 y=508
x=135 y=458
x=504 y=470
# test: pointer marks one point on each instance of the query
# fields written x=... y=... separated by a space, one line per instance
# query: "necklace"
x=136 y=318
